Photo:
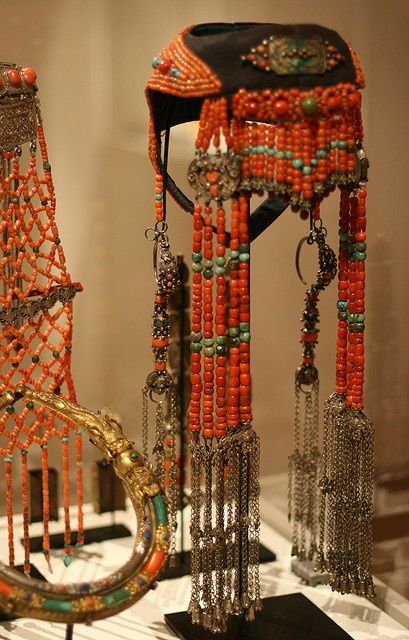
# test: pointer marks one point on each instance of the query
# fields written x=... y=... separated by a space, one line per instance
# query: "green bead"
x=233 y=331
x=334 y=144
x=359 y=326
x=208 y=351
x=360 y=256
x=280 y=155
x=288 y=155
x=245 y=336
x=234 y=342
x=221 y=350
x=197 y=267
x=208 y=264
x=8 y=458
x=208 y=274
x=221 y=339
x=244 y=257
x=342 y=305
x=219 y=271
x=309 y=105
x=196 y=337
x=56 y=354
x=196 y=346
x=10 y=409
x=36 y=249
x=46 y=165
x=314 y=161
x=234 y=253
x=220 y=261
x=197 y=256
x=233 y=265
x=35 y=358
x=26 y=199
x=321 y=153
x=244 y=247
x=56 y=605
x=159 y=196
x=64 y=439
x=244 y=326
x=208 y=342
x=342 y=144
x=343 y=235
x=306 y=170
x=30 y=405
x=360 y=317
x=360 y=246
x=134 y=455
x=342 y=315
x=116 y=596
x=160 y=509
x=297 y=163
x=57 y=241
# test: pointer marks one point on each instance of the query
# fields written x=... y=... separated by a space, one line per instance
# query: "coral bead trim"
x=179 y=72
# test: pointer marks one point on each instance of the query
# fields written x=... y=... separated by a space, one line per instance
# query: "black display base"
x=98 y=534
x=182 y=567
x=291 y=617
x=34 y=573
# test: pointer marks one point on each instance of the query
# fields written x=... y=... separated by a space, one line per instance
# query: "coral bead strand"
x=342 y=303
x=208 y=342
x=9 y=507
x=244 y=312
x=220 y=325
x=233 y=321
x=25 y=511
x=196 y=322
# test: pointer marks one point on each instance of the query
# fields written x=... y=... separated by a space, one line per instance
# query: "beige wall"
x=93 y=58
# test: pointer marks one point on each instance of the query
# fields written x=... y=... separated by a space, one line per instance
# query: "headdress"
x=279 y=114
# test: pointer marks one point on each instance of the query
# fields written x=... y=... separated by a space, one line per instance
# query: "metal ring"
x=150 y=234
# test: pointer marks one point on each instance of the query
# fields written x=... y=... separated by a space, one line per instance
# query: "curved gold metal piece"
x=87 y=601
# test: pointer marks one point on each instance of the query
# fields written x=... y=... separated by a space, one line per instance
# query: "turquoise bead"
x=208 y=351
x=219 y=271
x=360 y=256
x=234 y=254
x=67 y=559
x=208 y=264
x=220 y=261
x=360 y=246
x=197 y=267
x=334 y=144
x=233 y=331
x=342 y=305
x=288 y=155
x=56 y=605
x=158 y=196
x=306 y=170
x=196 y=346
x=342 y=144
x=134 y=455
x=208 y=342
x=197 y=256
x=314 y=161
x=175 y=72
x=244 y=326
x=245 y=337
x=221 y=339
x=160 y=509
x=359 y=326
x=321 y=153
x=155 y=61
x=116 y=596
x=270 y=152
x=244 y=257
x=47 y=166
x=360 y=317
x=280 y=155
x=10 y=409
x=297 y=163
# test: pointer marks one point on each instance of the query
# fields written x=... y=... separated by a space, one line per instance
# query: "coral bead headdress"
x=279 y=114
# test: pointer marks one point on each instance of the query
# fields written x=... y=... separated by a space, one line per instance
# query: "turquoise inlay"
x=56 y=605
x=160 y=509
x=116 y=596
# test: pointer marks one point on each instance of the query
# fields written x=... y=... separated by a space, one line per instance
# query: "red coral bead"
x=14 y=76
x=29 y=75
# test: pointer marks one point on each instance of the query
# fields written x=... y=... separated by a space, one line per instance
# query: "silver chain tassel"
x=225 y=528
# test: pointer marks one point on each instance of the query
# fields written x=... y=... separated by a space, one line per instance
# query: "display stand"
x=289 y=617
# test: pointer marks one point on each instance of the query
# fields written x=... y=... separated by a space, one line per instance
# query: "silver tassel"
x=225 y=539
